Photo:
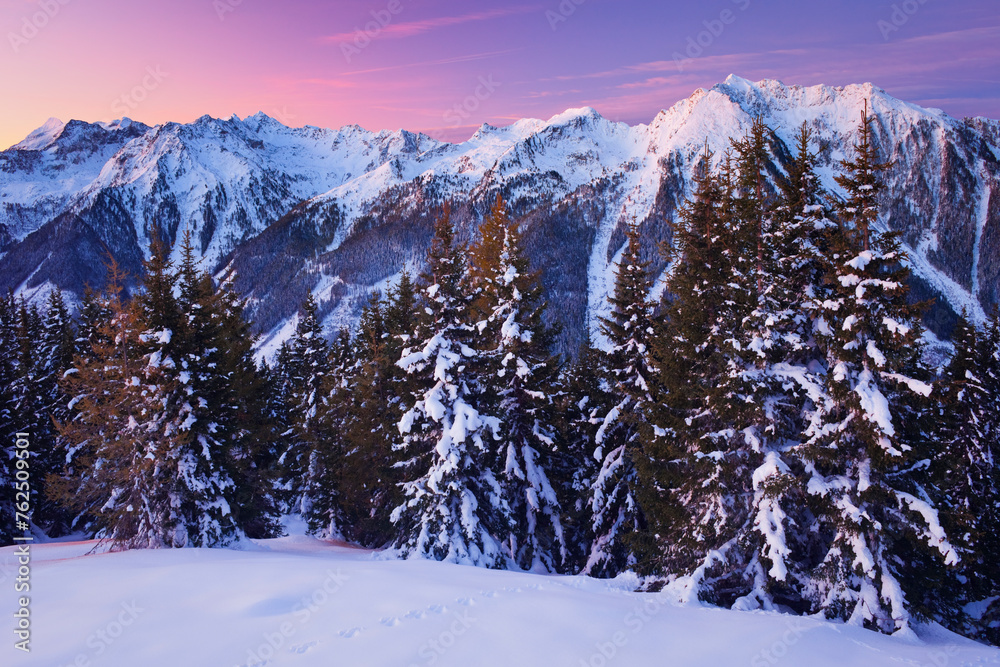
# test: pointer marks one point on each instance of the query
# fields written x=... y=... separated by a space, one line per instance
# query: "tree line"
x=767 y=435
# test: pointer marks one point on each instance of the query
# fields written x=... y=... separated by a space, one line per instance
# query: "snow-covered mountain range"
x=341 y=212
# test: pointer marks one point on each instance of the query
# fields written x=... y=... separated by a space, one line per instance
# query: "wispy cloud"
x=429 y=63
x=411 y=28
x=328 y=83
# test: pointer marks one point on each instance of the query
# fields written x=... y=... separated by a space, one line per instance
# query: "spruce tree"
x=58 y=348
x=516 y=377
x=454 y=508
x=117 y=473
x=615 y=513
x=151 y=436
x=582 y=399
x=304 y=367
x=8 y=421
x=692 y=466
x=773 y=368
x=244 y=402
x=325 y=434
x=866 y=436
x=967 y=478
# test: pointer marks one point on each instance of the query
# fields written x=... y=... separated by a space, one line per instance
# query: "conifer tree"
x=304 y=364
x=325 y=433
x=183 y=410
x=454 y=508
x=70 y=484
x=582 y=399
x=370 y=479
x=245 y=394
x=516 y=377
x=116 y=476
x=152 y=437
x=773 y=369
x=691 y=468
x=58 y=348
x=967 y=477
x=865 y=437
x=615 y=513
x=8 y=427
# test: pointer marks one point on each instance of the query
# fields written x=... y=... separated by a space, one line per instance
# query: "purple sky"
x=444 y=67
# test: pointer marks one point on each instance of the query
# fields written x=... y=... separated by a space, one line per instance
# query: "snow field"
x=302 y=602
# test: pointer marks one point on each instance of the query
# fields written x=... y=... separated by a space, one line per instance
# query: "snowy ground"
x=299 y=602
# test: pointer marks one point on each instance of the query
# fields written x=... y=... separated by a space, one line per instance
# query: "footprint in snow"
x=302 y=648
x=438 y=608
x=468 y=602
x=347 y=634
x=389 y=621
x=513 y=589
x=416 y=613
x=489 y=594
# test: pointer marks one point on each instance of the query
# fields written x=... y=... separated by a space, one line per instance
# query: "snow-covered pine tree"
x=865 y=438
x=454 y=508
x=151 y=432
x=58 y=347
x=206 y=435
x=30 y=413
x=967 y=476
x=72 y=475
x=244 y=399
x=370 y=432
x=117 y=473
x=516 y=378
x=615 y=513
x=8 y=425
x=325 y=433
x=775 y=361
x=582 y=398
x=303 y=373
x=93 y=314
x=738 y=427
x=370 y=480
x=688 y=466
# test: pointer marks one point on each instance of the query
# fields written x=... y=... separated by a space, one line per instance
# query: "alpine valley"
x=340 y=213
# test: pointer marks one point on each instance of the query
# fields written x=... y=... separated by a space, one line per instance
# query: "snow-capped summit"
x=341 y=212
x=41 y=137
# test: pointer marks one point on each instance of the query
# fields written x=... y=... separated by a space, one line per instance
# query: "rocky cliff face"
x=343 y=212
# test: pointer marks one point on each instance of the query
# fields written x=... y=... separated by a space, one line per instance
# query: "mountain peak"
x=735 y=81
x=581 y=113
x=41 y=137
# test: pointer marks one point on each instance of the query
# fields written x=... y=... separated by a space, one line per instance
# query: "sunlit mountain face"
x=340 y=213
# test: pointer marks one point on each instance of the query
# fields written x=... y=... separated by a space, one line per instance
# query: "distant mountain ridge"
x=342 y=212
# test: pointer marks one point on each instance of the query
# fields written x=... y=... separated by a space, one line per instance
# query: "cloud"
x=328 y=83
x=397 y=30
x=428 y=63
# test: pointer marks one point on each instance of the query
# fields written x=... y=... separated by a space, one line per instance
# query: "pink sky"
x=444 y=67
